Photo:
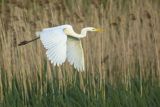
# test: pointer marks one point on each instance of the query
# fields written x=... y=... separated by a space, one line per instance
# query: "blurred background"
x=124 y=58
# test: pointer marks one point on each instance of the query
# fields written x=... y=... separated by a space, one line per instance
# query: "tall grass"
x=122 y=63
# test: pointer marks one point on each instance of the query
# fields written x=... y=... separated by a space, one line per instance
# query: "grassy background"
x=122 y=63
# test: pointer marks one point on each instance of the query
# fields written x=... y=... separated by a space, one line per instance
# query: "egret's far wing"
x=75 y=53
x=54 y=40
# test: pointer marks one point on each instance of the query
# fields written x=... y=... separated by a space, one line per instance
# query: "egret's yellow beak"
x=99 y=30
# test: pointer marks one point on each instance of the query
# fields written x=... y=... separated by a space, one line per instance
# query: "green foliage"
x=48 y=94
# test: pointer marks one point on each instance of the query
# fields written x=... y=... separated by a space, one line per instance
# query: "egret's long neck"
x=82 y=34
x=76 y=35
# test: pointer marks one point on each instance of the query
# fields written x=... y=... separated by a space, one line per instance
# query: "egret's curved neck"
x=82 y=34
x=76 y=35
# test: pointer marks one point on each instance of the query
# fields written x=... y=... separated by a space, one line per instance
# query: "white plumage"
x=75 y=53
x=63 y=43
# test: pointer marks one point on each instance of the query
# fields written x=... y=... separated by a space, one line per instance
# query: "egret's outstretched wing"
x=75 y=53
x=54 y=40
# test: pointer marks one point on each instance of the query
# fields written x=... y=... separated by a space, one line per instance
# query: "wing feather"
x=54 y=40
x=75 y=53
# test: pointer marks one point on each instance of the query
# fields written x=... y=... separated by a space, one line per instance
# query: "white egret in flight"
x=63 y=43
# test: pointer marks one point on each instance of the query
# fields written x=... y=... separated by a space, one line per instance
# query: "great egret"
x=63 y=43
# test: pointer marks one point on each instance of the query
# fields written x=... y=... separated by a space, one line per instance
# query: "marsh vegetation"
x=122 y=63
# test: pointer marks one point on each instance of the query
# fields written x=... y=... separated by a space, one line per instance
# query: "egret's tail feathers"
x=38 y=34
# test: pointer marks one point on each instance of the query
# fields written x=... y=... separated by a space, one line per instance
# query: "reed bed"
x=122 y=63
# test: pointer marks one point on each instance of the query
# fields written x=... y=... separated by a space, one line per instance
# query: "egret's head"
x=93 y=29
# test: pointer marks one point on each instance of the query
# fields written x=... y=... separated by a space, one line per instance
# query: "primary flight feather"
x=63 y=43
